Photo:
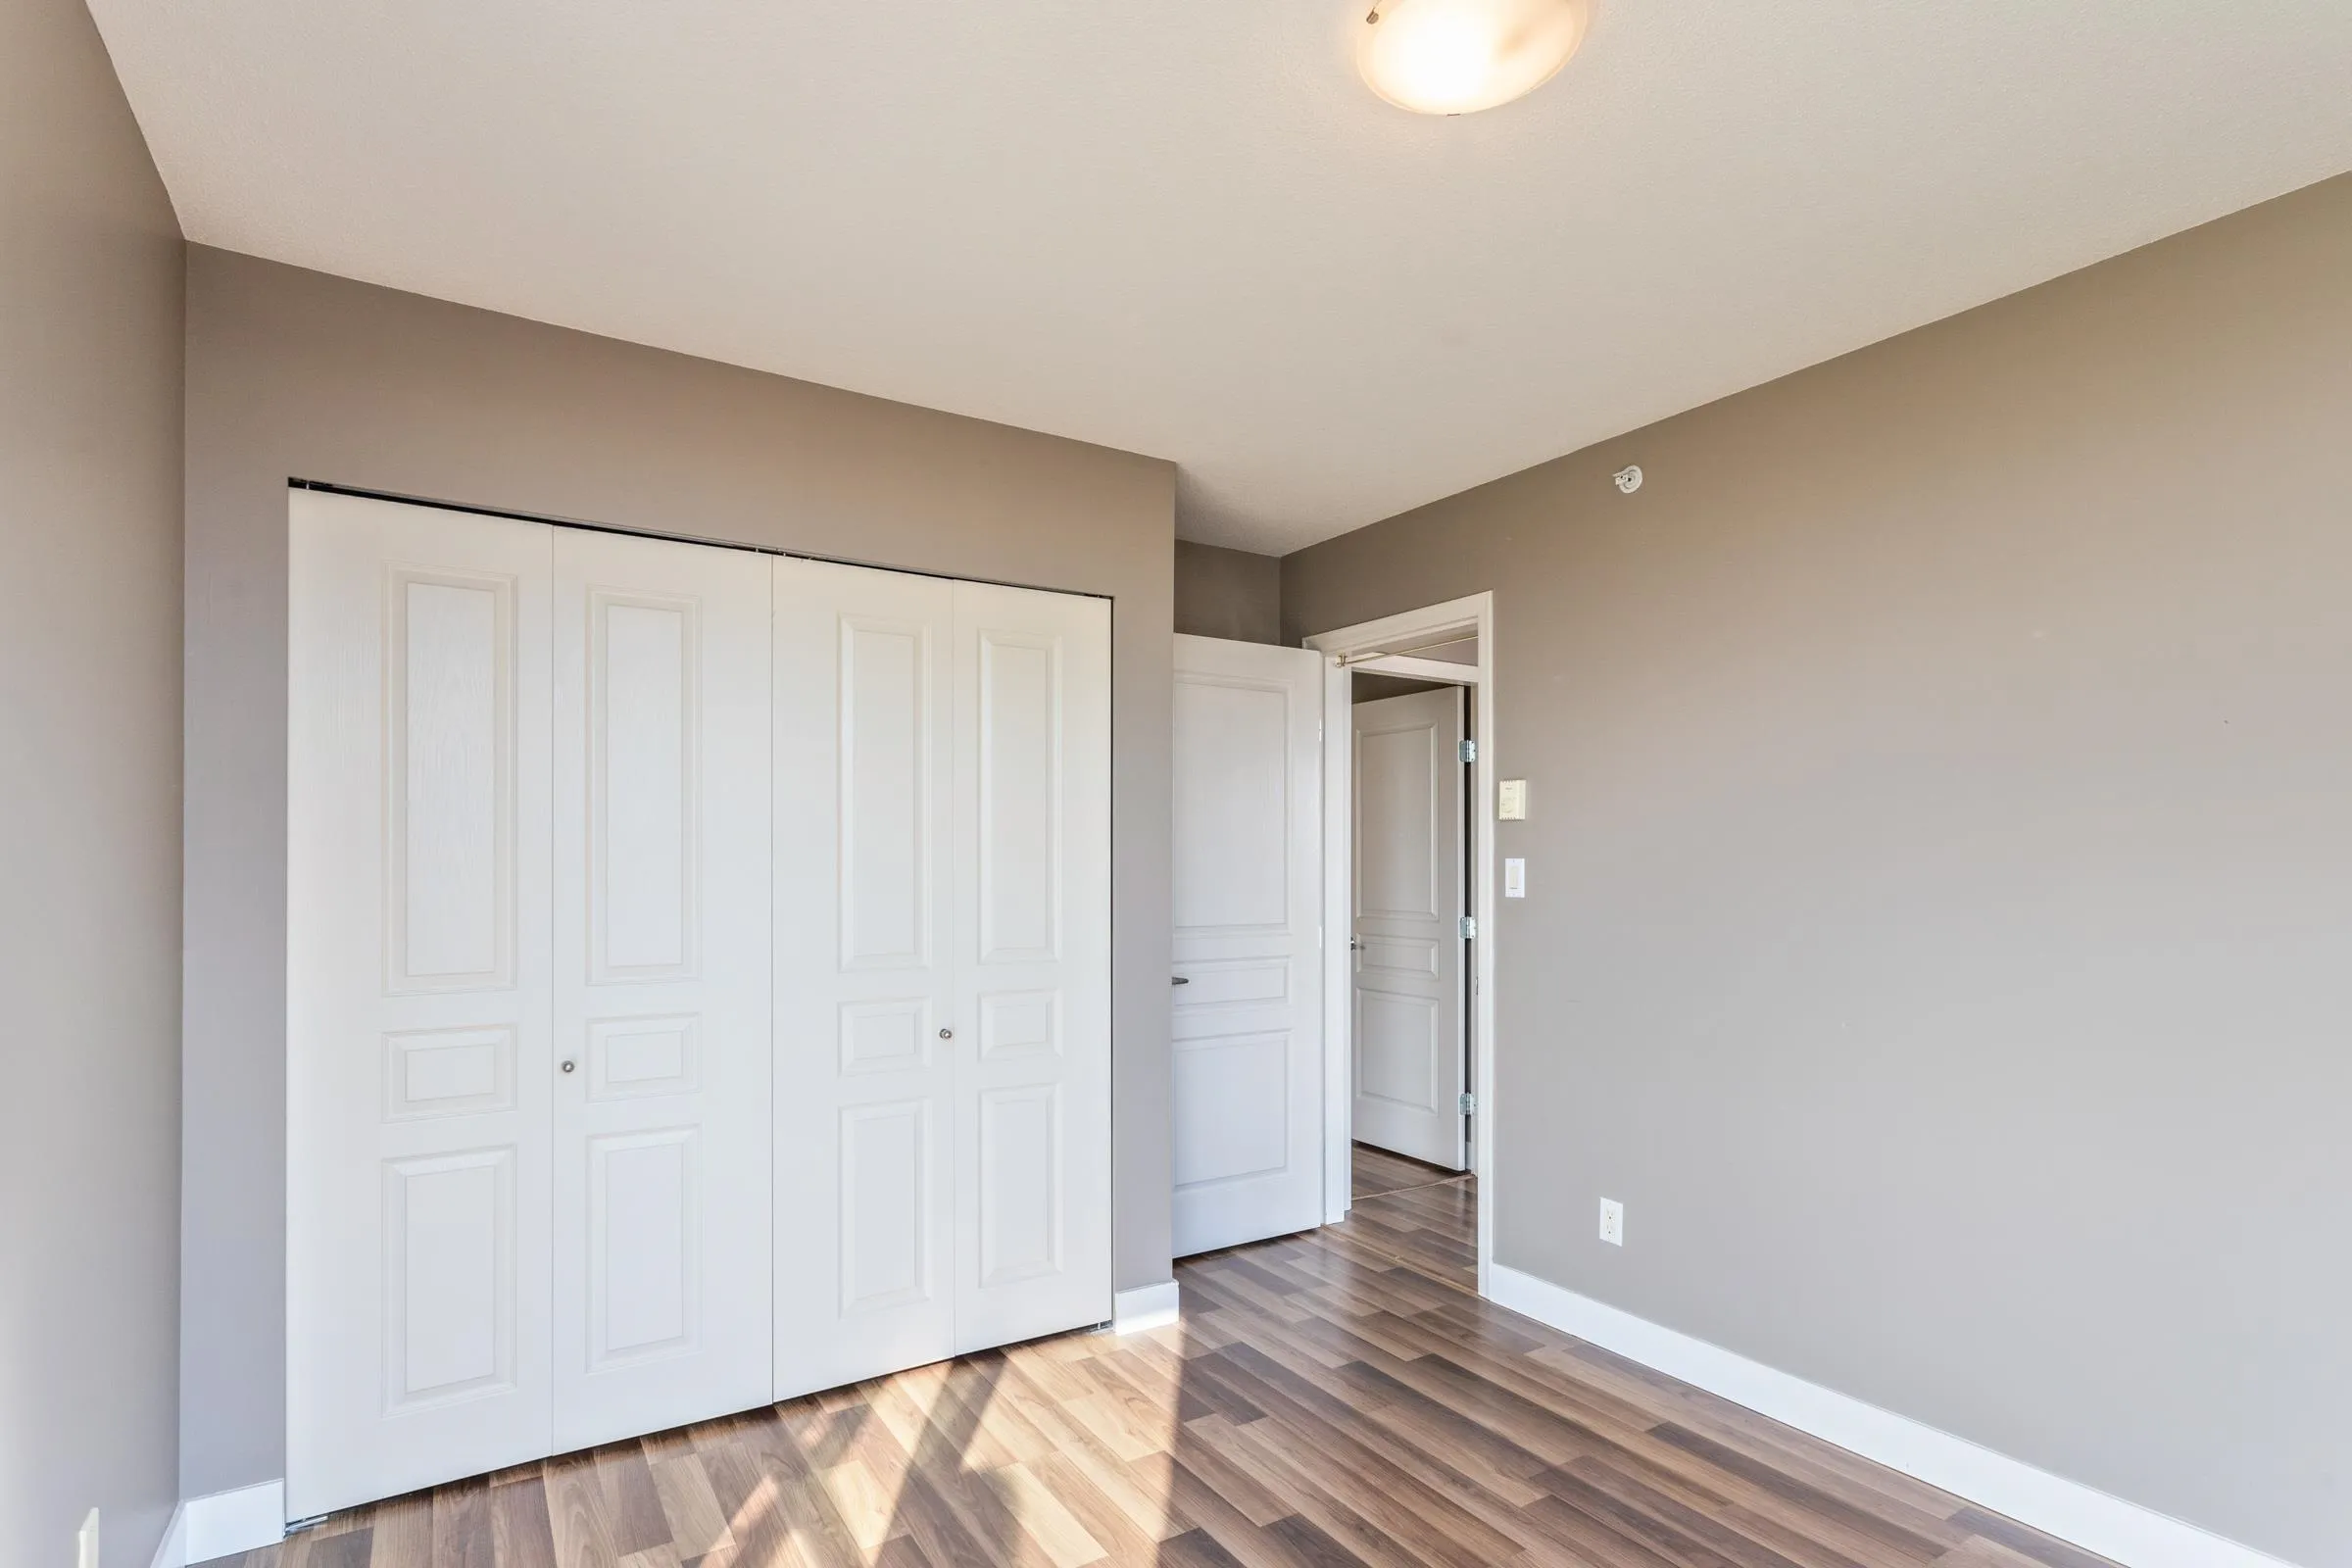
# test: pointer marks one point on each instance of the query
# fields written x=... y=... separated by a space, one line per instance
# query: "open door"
x=1409 y=934
x=1248 y=1000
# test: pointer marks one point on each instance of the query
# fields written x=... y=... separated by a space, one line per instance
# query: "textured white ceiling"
x=1183 y=227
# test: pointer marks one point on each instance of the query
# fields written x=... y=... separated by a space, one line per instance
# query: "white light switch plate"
x=1612 y=1222
x=1514 y=879
x=85 y=1542
x=1510 y=800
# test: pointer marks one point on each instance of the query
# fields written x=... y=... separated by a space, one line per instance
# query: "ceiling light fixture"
x=1453 y=57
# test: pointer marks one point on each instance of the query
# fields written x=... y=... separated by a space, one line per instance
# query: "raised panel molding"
x=1245 y=1131
x=1019 y=1024
x=893 y=1036
x=631 y=1058
x=645 y=742
x=1223 y=723
x=1233 y=983
x=1020 y=1183
x=448 y=1072
x=885 y=705
x=449 y=1277
x=1379 y=1053
x=449 y=784
x=1408 y=887
x=1412 y=955
x=885 y=1176
x=645 y=1225
x=1020 y=798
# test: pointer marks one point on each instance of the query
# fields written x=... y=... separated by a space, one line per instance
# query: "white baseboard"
x=224 y=1524
x=2093 y=1520
x=1147 y=1306
x=173 y=1551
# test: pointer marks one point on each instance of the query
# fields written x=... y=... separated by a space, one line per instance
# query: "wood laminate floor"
x=1328 y=1400
x=1377 y=1171
x=1419 y=1216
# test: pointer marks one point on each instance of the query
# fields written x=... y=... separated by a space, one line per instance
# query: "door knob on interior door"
x=1180 y=980
x=567 y=1066
x=947 y=1034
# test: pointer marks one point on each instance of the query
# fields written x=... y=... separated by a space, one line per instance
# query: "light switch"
x=1510 y=801
x=1514 y=879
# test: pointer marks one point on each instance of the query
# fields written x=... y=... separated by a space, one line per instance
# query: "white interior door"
x=1410 y=1070
x=417 y=999
x=1247 y=1011
x=662 y=1130
x=866 y=997
x=1032 y=934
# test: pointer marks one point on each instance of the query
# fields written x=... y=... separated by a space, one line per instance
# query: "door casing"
x=1384 y=647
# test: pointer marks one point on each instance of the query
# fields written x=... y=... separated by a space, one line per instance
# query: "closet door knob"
x=947 y=1034
x=567 y=1066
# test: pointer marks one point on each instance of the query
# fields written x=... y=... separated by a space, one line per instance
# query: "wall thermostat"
x=1629 y=477
x=1510 y=801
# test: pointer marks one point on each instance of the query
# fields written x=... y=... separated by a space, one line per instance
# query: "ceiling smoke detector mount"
x=1456 y=57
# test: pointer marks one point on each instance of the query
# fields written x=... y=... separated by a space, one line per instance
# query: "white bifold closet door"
x=661 y=1027
x=419 y=1034
x=942 y=969
x=528 y=1032
x=697 y=984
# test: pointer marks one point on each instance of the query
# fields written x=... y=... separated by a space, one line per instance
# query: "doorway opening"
x=1331 y=1023
x=1408 y=978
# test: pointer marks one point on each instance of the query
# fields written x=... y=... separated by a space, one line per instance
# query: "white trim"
x=226 y=1523
x=1467 y=615
x=2093 y=1520
x=1338 y=990
x=1472 y=615
x=1403 y=666
x=1147 y=1306
x=173 y=1551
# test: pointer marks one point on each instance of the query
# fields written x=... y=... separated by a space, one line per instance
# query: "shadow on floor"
x=1339 y=1397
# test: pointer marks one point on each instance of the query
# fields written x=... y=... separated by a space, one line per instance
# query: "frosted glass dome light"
x=1453 y=57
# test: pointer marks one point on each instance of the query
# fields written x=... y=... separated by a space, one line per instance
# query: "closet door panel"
x=418 y=1020
x=865 y=951
x=1033 y=962
x=661 y=988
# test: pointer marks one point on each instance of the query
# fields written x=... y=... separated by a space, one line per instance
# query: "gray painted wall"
x=294 y=373
x=1940 y=862
x=1228 y=593
x=91 y=291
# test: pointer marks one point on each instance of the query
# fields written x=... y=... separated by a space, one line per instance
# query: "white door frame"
x=1386 y=647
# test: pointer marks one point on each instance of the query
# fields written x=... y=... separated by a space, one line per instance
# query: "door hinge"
x=1467 y=1105
x=1469 y=751
x=1469 y=925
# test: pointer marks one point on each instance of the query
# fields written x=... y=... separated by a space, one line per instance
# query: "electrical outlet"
x=1612 y=1222
x=85 y=1542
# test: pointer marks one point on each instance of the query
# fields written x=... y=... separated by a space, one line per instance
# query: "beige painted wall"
x=1227 y=592
x=1939 y=915
x=90 y=290
x=297 y=374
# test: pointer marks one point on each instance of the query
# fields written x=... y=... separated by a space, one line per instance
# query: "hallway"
x=1330 y=1399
